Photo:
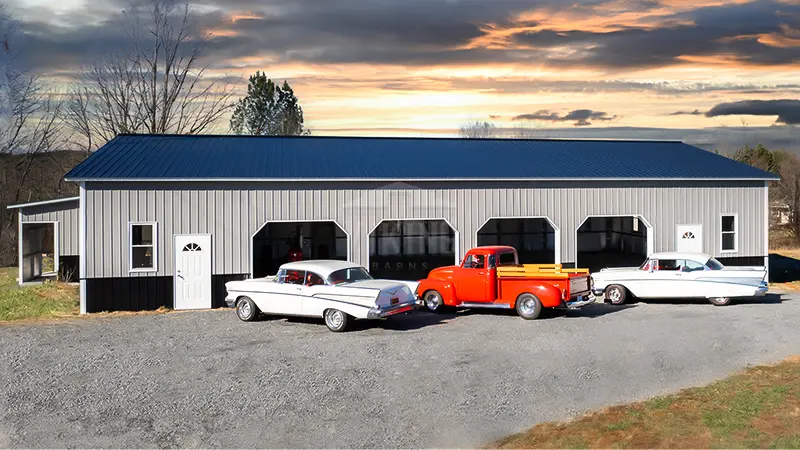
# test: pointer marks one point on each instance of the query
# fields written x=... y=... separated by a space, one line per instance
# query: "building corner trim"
x=766 y=228
x=20 y=255
x=82 y=245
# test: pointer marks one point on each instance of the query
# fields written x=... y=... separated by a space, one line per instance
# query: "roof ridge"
x=411 y=138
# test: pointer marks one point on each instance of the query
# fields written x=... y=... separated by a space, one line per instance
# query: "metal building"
x=167 y=220
x=48 y=239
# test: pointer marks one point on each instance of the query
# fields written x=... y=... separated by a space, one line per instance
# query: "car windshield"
x=645 y=265
x=349 y=275
x=713 y=264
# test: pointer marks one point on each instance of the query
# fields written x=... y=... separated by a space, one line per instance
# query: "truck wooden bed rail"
x=538 y=270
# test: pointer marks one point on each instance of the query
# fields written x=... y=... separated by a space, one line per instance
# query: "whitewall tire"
x=246 y=309
x=337 y=321
x=616 y=294
x=720 y=301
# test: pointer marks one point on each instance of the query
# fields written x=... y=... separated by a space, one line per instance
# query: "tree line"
x=786 y=165
x=155 y=83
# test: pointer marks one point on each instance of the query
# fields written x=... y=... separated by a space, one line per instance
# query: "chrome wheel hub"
x=244 y=309
x=614 y=295
x=433 y=301
x=528 y=306
x=335 y=319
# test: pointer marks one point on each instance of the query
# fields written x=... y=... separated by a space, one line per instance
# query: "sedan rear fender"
x=357 y=305
x=443 y=287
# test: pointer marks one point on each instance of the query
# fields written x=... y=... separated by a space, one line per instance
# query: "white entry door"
x=690 y=238
x=193 y=271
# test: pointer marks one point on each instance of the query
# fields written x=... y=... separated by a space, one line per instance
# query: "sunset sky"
x=423 y=67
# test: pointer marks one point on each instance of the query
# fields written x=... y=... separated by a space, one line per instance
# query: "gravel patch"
x=205 y=379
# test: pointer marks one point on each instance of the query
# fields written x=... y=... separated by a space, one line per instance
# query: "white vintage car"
x=337 y=291
x=680 y=275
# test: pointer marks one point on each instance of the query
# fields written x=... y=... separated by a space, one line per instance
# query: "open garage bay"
x=204 y=379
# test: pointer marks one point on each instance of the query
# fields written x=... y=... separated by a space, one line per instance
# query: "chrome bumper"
x=579 y=302
x=377 y=313
x=598 y=292
x=762 y=289
x=230 y=302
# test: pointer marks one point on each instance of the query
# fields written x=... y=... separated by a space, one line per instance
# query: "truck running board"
x=485 y=305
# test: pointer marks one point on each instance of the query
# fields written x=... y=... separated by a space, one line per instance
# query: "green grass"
x=759 y=408
x=45 y=300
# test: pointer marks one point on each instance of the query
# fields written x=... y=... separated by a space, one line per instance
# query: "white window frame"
x=155 y=248
x=735 y=233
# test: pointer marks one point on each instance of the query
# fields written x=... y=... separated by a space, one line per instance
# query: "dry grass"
x=49 y=301
x=759 y=408
x=42 y=301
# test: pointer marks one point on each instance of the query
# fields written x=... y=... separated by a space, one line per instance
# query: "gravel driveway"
x=204 y=379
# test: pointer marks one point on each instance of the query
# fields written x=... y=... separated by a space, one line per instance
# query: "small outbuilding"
x=167 y=220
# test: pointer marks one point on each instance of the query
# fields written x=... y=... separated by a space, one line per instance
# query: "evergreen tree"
x=268 y=110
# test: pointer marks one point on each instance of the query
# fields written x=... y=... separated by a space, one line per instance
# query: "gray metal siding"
x=233 y=212
x=66 y=214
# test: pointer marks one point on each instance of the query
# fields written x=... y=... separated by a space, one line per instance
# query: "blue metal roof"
x=205 y=157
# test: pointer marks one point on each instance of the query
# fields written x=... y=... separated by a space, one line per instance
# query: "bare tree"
x=157 y=85
x=476 y=129
x=29 y=128
x=527 y=130
x=788 y=188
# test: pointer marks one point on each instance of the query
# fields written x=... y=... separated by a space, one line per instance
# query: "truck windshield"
x=349 y=275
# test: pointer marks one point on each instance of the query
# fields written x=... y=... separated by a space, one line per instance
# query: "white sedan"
x=337 y=291
x=680 y=275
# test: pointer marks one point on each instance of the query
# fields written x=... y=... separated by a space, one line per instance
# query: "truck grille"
x=578 y=285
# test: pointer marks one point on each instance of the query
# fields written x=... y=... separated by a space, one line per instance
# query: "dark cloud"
x=729 y=30
x=696 y=112
x=581 y=117
x=430 y=32
x=788 y=111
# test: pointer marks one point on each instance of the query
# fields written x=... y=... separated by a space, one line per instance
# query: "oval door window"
x=192 y=248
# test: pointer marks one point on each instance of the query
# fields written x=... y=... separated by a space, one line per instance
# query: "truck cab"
x=491 y=277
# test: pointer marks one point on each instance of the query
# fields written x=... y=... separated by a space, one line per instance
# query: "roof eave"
x=44 y=202
x=156 y=180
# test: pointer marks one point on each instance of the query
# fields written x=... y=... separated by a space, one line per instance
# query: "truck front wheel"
x=433 y=301
x=529 y=306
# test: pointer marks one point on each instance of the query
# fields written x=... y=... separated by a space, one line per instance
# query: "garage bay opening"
x=281 y=242
x=534 y=239
x=38 y=252
x=410 y=249
x=612 y=242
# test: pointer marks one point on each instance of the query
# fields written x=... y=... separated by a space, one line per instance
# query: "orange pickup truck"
x=491 y=277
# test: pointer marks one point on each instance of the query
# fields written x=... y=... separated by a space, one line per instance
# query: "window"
x=192 y=248
x=692 y=266
x=713 y=264
x=143 y=249
x=729 y=229
x=349 y=275
x=313 y=279
x=474 y=262
x=289 y=276
x=508 y=259
x=647 y=266
x=668 y=264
